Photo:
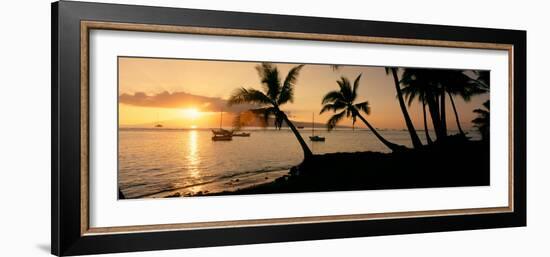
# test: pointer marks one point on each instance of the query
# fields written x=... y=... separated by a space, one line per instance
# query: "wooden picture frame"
x=71 y=25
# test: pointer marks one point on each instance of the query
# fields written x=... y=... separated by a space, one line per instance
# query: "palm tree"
x=344 y=100
x=483 y=80
x=419 y=83
x=457 y=83
x=270 y=99
x=482 y=120
x=410 y=127
x=426 y=131
x=412 y=90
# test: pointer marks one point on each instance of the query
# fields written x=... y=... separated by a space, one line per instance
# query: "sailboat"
x=241 y=134
x=222 y=134
x=158 y=125
x=313 y=137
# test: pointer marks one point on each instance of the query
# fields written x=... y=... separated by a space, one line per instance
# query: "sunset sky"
x=191 y=93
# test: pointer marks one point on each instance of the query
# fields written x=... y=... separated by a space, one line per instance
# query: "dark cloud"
x=180 y=100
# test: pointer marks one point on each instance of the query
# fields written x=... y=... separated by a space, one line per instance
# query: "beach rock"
x=177 y=194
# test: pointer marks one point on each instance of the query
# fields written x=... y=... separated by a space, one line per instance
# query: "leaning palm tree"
x=482 y=120
x=343 y=100
x=270 y=99
x=410 y=127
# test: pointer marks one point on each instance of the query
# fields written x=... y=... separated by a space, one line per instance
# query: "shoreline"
x=459 y=164
x=238 y=182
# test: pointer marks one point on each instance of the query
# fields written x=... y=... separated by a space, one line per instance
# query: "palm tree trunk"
x=433 y=107
x=428 y=138
x=443 y=115
x=412 y=131
x=456 y=114
x=390 y=145
x=305 y=147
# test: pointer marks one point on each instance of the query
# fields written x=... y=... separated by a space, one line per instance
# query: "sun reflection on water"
x=193 y=159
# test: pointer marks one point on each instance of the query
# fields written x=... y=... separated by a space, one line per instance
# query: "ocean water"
x=161 y=162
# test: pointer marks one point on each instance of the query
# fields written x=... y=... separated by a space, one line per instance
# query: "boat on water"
x=241 y=134
x=222 y=137
x=313 y=137
x=222 y=134
x=158 y=125
x=317 y=138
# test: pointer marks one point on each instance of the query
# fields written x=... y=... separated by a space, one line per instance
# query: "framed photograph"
x=177 y=128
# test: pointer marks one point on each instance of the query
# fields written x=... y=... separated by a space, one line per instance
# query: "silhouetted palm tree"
x=457 y=83
x=412 y=90
x=273 y=96
x=344 y=100
x=420 y=83
x=426 y=130
x=435 y=85
x=482 y=120
x=483 y=80
x=410 y=127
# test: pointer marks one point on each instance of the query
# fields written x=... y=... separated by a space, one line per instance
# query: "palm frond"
x=355 y=87
x=480 y=111
x=487 y=105
x=287 y=90
x=345 y=88
x=332 y=97
x=269 y=76
x=250 y=96
x=331 y=123
x=337 y=105
x=364 y=106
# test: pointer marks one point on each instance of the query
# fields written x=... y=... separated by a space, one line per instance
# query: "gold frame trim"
x=86 y=26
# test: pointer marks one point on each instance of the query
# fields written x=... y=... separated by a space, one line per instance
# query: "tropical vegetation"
x=343 y=101
x=271 y=97
x=481 y=122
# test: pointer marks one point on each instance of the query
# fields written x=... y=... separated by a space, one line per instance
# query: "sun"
x=191 y=113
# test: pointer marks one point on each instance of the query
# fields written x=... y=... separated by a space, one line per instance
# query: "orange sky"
x=190 y=93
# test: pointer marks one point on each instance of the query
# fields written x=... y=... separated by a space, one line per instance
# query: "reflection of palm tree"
x=273 y=96
x=410 y=127
x=482 y=120
x=344 y=99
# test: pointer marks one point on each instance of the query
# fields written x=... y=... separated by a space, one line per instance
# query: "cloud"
x=179 y=100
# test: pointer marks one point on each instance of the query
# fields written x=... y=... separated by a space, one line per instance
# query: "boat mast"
x=221 y=118
x=312 y=123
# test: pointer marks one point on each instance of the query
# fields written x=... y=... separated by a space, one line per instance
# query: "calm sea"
x=161 y=162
